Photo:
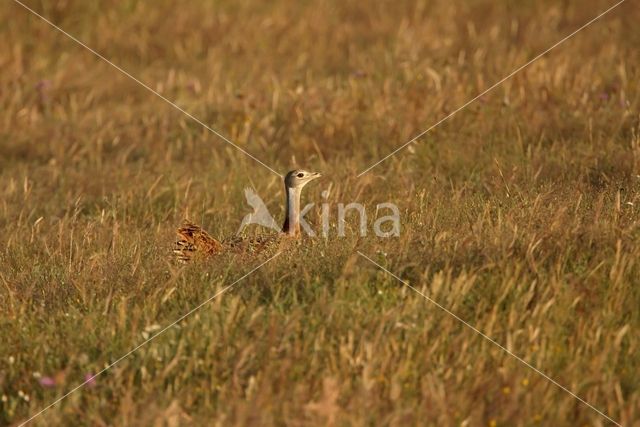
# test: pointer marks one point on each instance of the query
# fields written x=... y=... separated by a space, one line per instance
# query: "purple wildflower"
x=90 y=379
x=47 y=382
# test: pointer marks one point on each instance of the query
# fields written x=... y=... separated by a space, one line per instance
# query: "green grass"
x=520 y=214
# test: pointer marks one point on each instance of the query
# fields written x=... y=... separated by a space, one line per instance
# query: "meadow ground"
x=520 y=214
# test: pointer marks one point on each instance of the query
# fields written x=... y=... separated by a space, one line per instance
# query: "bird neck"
x=292 y=219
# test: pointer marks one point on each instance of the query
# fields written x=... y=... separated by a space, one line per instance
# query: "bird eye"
x=300 y=175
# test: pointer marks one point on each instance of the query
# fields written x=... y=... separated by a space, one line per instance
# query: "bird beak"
x=317 y=175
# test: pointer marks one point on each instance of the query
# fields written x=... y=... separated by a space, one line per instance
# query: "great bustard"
x=194 y=241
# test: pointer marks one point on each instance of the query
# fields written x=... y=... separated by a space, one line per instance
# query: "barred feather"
x=193 y=241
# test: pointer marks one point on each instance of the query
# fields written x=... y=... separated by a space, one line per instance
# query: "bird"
x=194 y=242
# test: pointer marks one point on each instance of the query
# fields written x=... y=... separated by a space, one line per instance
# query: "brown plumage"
x=194 y=242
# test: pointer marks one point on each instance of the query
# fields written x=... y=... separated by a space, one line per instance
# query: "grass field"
x=520 y=214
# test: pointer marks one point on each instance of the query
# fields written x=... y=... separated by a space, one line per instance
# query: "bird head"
x=298 y=178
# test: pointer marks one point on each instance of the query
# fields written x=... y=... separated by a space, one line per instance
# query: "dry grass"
x=520 y=214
